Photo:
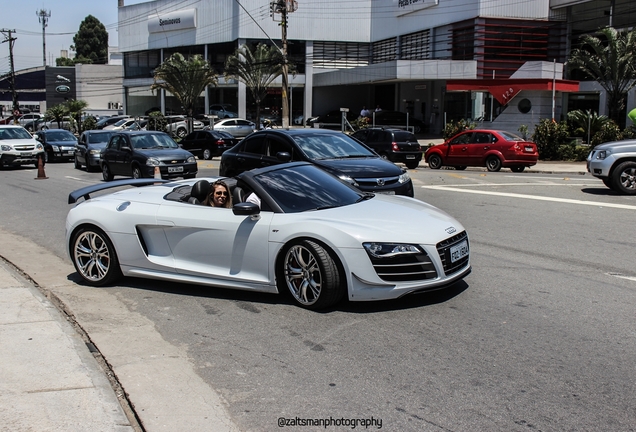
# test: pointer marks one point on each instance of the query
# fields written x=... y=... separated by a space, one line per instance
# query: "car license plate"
x=529 y=149
x=175 y=169
x=410 y=156
x=26 y=154
x=459 y=251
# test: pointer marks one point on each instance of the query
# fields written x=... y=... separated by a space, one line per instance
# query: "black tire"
x=624 y=178
x=44 y=128
x=48 y=157
x=493 y=164
x=106 y=174
x=517 y=169
x=78 y=165
x=434 y=161
x=182 y=132
x=310 y=274
x=94 y=256
x=207 y=154
x=136 y=172
x=411 y=165
x=608 y=182
x=460 y=167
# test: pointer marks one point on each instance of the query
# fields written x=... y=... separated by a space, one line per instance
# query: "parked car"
x=124 y=123
x=396 y=145
x=137 y=153
x=223 y=111
x=331 y=119
x=208 y=143
x=332 y=151
x=29 y=118
x=7 y=120
x=67 y=123
x=235 y=127
x=493 y=149
x=615 y=164
x=314 y=236
x=88 y=148
x=177 y=126
x=18 y=147
x=59 y=144
x=107 y=121
x=397 y=119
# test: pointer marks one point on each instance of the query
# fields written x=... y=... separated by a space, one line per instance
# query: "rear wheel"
x=106 y=174
x=517 y=168
x=94 y=256
x=493 y=164
x=412 y=165
x=207 y=154
x=311 y=275
x=181 y=132
x=78 y=165
x=434 y=161
x=624 y=178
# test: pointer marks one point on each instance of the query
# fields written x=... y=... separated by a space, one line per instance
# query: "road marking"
x=516 y=184
x=631 y=278
x=532 y=197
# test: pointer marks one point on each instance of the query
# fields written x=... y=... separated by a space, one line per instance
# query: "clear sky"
x=63 y=24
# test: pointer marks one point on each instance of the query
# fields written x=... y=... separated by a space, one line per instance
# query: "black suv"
x=396 y=145
x=138 y=153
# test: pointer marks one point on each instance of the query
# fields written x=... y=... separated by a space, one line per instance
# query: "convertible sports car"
x=313 y=235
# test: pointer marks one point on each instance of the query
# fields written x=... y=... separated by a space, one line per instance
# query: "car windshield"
x=508 y=136
x=307 y=187
x=96 y=138
x=121 y=122
x=331 y=146
x=14 y=133
x=151 y=141
x=60 y=136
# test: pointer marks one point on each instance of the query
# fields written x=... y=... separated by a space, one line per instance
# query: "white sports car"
x=313 y=234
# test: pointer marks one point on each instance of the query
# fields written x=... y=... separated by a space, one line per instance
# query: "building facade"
x=494 y=61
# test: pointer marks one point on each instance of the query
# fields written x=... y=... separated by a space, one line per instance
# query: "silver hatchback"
x=235 y=126
x=614 y=163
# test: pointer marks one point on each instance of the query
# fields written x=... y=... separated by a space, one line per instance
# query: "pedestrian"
x=377 y=108
x=365 y=112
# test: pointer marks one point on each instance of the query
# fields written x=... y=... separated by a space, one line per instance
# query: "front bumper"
x=599 y=168
x=21 y=158
x=405 y=157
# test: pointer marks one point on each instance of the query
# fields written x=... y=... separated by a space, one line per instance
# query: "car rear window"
x=404 y=136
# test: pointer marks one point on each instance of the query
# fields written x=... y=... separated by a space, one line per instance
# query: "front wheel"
x=608 y=182
x=78 y=165
x=517 y=169
x=311 y=275
x=106 y=174
x=493 y=164
x=136 y=172
x=94 y=256
x=624 y=178
x=434 y=161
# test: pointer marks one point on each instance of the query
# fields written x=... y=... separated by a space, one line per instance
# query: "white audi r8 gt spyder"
x=292 y=227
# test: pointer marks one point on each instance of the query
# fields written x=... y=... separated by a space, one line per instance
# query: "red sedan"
x=493 y=149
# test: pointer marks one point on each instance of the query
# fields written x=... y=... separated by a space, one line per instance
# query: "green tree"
x=91 y=42
x=609 y=58
x=57 y=113
x=185 y=78
x=256 y=68
x=75 y=108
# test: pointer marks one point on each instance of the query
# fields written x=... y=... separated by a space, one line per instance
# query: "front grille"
x=24 y=147
x=404 y=268
x=374 y=182
x=443 y=248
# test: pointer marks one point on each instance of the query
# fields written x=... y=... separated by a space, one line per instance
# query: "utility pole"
x=10 y=39
x=284 y=7
x=44 y=16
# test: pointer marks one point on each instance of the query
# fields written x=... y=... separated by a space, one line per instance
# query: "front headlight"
x=38 y=147
x=191 y=159
x=390 y=250
x=602 y=154
x=95 y=151
x=347 y=179
x=404 y=178
x=153 y=162
x=55 y=148
x=5 y=147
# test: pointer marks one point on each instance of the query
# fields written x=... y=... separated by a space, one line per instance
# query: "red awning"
x=505 y=89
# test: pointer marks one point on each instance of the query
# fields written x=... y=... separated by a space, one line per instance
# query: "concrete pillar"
x=309 y=81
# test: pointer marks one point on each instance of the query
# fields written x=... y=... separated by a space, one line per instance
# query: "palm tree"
x=608 y=57
x=185 y=79
x=256 y=68
x=75 y=108
x=56 y=113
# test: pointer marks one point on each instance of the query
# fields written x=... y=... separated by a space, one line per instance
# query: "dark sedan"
x=332 y=151
x=397 y=119
x=89 y=147
x=138 y=154
x=396 y=145
x=59 y=144
x=208 y=143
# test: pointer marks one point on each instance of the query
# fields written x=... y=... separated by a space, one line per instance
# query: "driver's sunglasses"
x=220 y=193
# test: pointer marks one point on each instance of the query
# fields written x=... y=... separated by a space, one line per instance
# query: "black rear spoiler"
x=86 y=191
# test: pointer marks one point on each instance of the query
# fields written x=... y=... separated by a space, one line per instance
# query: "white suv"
x=615 y=164
x=18 y=147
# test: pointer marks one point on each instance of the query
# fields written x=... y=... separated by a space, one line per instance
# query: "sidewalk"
x=49 y=380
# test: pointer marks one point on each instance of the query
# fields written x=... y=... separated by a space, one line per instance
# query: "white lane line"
x=631 y=278
x=517 y=184
x=532 y=197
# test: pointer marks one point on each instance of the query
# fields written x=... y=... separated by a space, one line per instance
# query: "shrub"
x=572 y=152
x=157 y=122
x=579 y=121
x=549 y=136
x=453 y=129
x=523 y=130
x=89 y=123
x=609 y=132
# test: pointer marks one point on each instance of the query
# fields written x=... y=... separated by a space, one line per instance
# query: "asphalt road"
x=540 y=337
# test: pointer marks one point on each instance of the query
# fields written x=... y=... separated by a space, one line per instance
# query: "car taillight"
x=395 y=146
x=220 y=142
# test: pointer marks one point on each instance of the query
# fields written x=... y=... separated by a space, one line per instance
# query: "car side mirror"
x=283 y=156
x=125 y=148
x=246 y=209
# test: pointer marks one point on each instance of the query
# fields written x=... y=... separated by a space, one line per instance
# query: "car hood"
x=164 y=153
x=360 y=167
x=383 y=218
x=97 y=146
x=61 y=143
x=618 y=146
x=20 y=142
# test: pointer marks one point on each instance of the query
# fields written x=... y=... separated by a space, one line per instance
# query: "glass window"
x=254 y=145
x=331 y=146
x=462 y=139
